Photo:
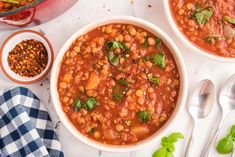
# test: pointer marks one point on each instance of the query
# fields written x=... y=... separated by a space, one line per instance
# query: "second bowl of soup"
x=118 y=84
x=205 y=26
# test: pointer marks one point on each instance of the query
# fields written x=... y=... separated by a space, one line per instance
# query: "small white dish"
x=186 y=41
x=180 y=102
x=9 y=45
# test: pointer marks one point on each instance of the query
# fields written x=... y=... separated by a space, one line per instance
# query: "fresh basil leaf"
x=232 y=130
x=76 y=105
x=144 y=116
x=173 y=137
x=89 y=104
x=92 y=130
x=225 y=145
x=165 y=141
x=113 y=58
x=169 y=154
x=229 y=19
x=159 y=59
x=118 y=93
x=153 y=79
x=170 y=147
x=158 y=42
x=162 y=152
x=197 y=8
x=123 y=82
x=209 y=39
x=111 y=45
x=202 y=16
x=146 y=43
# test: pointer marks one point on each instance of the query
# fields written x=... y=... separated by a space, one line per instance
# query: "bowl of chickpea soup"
x=205 y=26
x=118 y=84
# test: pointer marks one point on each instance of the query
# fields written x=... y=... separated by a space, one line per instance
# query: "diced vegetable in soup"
x=210 y=24
x=7 y=5
x=118 y=84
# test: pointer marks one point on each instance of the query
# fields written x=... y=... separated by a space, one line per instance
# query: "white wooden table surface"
x=85 y=11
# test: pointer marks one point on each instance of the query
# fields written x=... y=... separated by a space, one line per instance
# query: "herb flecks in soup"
x=118 y=84
x=7 y=5
x=210 y=24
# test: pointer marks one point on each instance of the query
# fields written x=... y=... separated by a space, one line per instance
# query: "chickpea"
x=119 y=37
x=151 y=41
x=191 y=23
x=67 y=77
x=127 y=37
x=181 y=12
x=190 y=6
x=162 y=119
x=97 y=134
x=123 y=112
x=76 y=49
x=119 y=127
x=144 y=34
x=83 y=112
x=94 y=50
x=65 y=99
x=141 y=100
x=63 y=85
x=122 y=60
x=108 y=29
x=150 y=90
x=132 y=31
x=149 y=64
x=73 y=54
x=139 y=93
x=112 y=82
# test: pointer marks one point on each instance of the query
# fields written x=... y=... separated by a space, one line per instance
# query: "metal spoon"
x=227 y=104
x=200 y=105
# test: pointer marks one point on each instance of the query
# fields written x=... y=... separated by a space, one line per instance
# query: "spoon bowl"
x=227 y=94
x=201 y=102
x=202 y=99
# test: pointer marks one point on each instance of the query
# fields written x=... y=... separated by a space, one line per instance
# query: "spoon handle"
x=211 y=143
x=191 y=139
x=233 y=154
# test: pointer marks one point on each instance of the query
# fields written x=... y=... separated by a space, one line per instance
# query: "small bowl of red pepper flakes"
x=26 y=57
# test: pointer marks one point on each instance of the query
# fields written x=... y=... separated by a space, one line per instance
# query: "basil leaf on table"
x=175 y=136
x=225 y=145
x=167 y=145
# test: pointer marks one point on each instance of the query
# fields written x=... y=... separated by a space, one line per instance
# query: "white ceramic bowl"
x=9 y=45
x=193 y=47
x=179 y=61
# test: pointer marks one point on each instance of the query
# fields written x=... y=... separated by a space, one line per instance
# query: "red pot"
x=35 y=13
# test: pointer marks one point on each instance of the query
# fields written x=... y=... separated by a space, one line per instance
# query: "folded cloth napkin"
x=26 y=128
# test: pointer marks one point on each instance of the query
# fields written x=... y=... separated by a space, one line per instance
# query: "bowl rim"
x=190 y=45
x=22 y=8
x=181 y=98
x=50 y=62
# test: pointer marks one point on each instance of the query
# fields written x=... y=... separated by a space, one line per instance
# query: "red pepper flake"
x=28 y=58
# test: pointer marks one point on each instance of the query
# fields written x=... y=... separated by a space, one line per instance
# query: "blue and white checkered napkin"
x=26 y=128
